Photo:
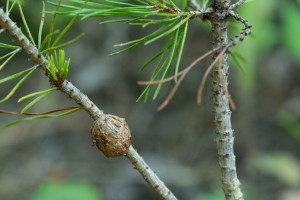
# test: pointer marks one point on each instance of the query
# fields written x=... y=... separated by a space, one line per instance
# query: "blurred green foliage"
x=66 y=190
x=267 y=32
x=218 y=195
x=291 y=29
x=290 y=123
x=281 y=165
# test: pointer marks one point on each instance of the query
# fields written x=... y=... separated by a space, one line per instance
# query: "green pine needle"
x=58 y=65
x=25 y=24
x=41 y=27
x=8 y=10
x=238 y=59
x=41 y=95
x=8 y=46
x=52 y=26
x=9 y=56
x=64 y=31
x=181 y=47
x=169 y=23
x=39 y=117
x=37 y=99
x=27 y=72
x=36 y=94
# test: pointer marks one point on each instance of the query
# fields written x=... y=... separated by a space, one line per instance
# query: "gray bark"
x=224 y=131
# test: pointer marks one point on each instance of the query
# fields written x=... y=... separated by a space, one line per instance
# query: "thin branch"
x=235 y=5
x=246 y=31
x=155 y=183
x=184 y=71
x=171 y=94
x=80 y=98
x=207 y=72
x=224 y=131
x=203 y=14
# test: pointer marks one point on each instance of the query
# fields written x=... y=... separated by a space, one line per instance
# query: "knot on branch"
x=111 y=136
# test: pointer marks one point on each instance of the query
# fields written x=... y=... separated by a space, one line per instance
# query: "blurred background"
x=56 y=159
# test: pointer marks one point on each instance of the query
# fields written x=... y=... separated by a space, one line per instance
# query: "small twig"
x=186 y=70
x=184 y=73
x=246 y=31
x=201 y=87
x=203 y=14
x=171 y=94
x=235 y=5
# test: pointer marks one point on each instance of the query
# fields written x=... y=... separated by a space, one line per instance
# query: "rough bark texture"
x=224 y=131
x=146 y=172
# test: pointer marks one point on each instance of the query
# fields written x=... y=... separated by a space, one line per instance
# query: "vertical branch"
x=224 y=131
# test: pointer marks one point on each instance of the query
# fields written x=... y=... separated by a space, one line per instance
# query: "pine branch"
x=224 y=131
x=105 y=126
